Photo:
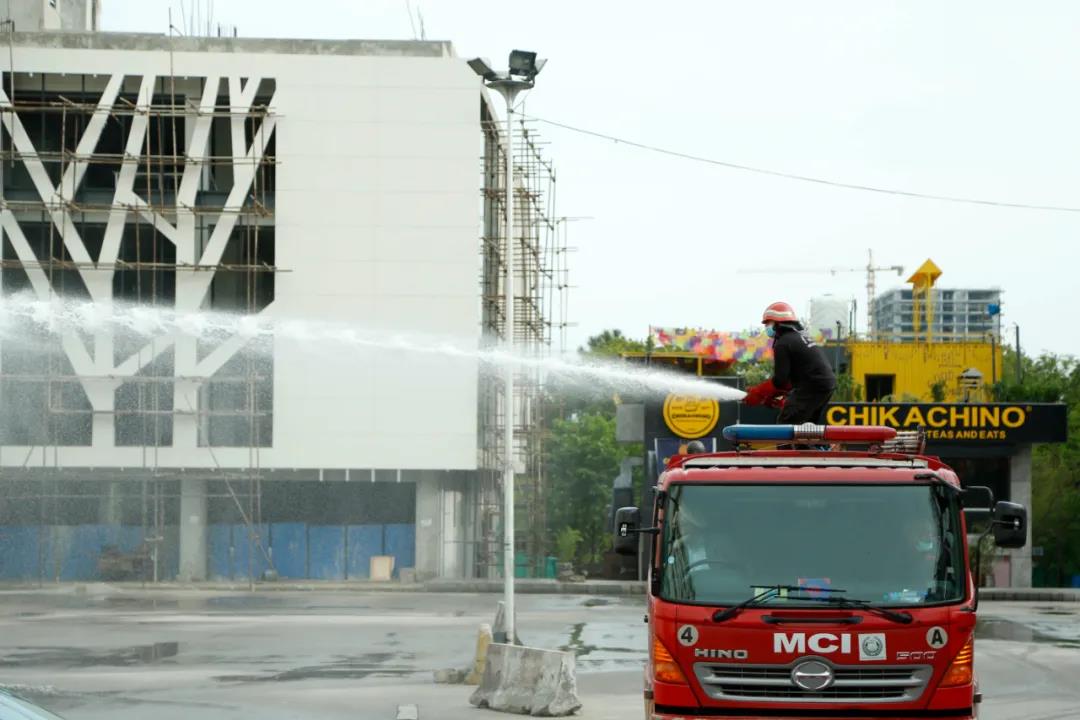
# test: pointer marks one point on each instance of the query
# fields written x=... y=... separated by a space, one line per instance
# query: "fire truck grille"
x=773 y=683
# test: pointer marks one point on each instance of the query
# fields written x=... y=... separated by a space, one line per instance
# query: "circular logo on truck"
x=937 y=638
x=689 y=416
x=688 y=636
x=812 y=675
x=873 y=647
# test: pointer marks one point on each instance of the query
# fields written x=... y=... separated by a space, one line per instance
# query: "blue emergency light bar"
x=808 y=431
x=759 y=433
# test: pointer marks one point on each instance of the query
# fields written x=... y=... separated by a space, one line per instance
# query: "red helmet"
x=779 y=312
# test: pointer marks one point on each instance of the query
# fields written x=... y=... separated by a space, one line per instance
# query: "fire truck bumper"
x=669 y=713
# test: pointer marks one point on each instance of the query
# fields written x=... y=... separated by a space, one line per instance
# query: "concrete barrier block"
x=484 y=638
x=528 y=681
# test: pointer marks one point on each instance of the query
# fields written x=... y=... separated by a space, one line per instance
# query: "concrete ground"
x=97 y=652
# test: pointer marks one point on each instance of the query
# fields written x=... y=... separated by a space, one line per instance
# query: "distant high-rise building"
x=958 y=314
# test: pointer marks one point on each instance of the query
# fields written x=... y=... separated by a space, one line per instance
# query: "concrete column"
x=453 y=527
x=192 y=529
x=1020 y=492
x=109 y=509
x=428 y=525
x=471 y=527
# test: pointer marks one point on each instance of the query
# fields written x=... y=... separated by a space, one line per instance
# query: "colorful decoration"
x=751 y=345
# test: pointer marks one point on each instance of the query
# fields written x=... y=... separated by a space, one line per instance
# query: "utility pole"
x=524 y=67
x=1019 y=357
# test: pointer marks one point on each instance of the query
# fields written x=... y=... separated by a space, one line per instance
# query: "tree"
x=1055 y=509
x=1055 y=496
x=611 y=343
x=752 y=371
x=582 y=462
x=580 y=452
x=1048 y=378
x=847 y=390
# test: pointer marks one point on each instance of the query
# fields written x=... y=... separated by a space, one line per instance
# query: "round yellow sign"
x=691 y=417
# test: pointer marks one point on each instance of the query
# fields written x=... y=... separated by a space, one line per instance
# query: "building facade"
x=34 y=15
x=255 y=249
x=958 y=314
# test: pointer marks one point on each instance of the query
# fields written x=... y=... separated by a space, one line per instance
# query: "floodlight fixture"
x=482 y=67
x=524 y=63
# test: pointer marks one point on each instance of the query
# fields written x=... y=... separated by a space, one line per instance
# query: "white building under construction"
x=355 y=185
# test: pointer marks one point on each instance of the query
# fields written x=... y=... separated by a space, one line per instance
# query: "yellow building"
x=927 y=372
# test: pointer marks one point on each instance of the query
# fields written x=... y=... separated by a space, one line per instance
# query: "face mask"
x=770 y=331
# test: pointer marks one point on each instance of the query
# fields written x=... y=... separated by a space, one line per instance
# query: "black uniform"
x=801 y=365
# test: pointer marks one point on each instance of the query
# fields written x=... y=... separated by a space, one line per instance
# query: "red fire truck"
x=830 y=580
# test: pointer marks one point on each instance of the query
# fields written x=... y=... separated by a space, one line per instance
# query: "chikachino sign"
x=961 y=422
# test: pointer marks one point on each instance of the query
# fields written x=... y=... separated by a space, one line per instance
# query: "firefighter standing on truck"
x=802 y=382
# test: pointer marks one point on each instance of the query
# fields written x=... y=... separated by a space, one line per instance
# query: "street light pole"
x=509 y=93
x=524 y=67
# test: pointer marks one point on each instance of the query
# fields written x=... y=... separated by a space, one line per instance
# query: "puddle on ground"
x=998 y=629
x=321 y=606
x=71 y=657
x=246 y=602
x=217 y=602
x=140 y=603
x=346 y=668
x=583 y=651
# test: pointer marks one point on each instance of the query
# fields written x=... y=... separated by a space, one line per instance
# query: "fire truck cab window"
x=721 y=541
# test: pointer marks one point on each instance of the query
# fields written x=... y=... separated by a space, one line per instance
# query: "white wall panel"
x=413 y=175
x=429 y=141
x=426 y=279
x=440 y=244
x=428 y=105
x=446 y=209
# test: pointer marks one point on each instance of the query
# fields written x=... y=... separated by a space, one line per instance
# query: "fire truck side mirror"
x=1010 y=525
x=627 y=526
x=977 y=499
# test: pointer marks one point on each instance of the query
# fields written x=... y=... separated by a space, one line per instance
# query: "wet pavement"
x=1058 y=625
x=94 y=652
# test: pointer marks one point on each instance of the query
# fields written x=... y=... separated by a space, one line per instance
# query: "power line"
x=804 y=178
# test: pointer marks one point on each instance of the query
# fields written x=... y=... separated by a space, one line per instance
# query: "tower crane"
x=870 y=269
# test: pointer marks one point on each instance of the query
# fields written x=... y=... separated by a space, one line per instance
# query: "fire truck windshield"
x=889 y=544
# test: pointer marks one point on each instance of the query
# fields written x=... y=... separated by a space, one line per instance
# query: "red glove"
x=761 y=394
x=776 y=402
x=753 y=396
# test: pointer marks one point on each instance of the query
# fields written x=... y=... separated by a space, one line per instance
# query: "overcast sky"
x=974 y=99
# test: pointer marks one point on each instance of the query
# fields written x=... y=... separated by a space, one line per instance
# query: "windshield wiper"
x=895 y=615
x=767 y=594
